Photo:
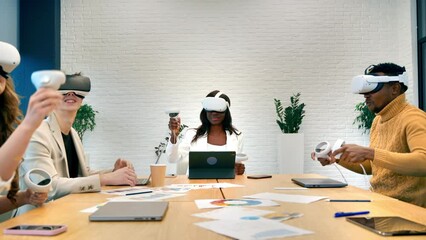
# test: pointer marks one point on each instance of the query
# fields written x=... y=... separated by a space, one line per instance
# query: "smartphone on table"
x=41 y=230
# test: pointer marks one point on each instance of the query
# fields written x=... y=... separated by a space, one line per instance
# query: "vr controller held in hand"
x=48 y=79
x=173 y=113
x=38 y=180
x=322 y=149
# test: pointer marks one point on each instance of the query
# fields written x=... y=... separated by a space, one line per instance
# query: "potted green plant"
x=365 y=117
x=290 y=142
x=85 y=120
x=290 y=118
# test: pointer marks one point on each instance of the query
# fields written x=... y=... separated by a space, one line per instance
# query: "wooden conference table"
x=178 y=223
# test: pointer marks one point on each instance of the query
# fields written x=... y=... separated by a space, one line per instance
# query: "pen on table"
x=349 y=200
x=135 y=193
x=347 y=214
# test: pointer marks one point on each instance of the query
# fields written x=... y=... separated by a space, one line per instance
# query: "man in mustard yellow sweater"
x=396 y=157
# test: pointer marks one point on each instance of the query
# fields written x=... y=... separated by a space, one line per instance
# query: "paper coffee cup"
x=158 y=175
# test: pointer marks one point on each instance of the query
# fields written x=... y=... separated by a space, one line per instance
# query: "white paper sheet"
x=252 y=229
x=218 y=203
x=287 y=197
x=290 y=188
x=236 y=213
x=205 y=185
x=146 y=197
x=93 y=209
x=126 y=190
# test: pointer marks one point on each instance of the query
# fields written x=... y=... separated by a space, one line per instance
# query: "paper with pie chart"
x=218 y=203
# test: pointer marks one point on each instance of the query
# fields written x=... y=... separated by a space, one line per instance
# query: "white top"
x=216 y=148
x=180 y=151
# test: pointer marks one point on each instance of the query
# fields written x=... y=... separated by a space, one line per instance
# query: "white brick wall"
x=146 y=56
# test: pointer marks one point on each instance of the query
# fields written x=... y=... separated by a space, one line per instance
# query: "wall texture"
x=146 y=56
x=9 y=21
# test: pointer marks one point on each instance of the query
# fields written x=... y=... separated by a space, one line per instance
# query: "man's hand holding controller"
x=322 y=152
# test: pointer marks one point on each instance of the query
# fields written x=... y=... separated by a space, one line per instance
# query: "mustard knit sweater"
x=398 y=137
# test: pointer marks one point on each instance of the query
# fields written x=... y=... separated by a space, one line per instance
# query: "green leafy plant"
x=365 y=117
x=290 y=118
x=85 y=120
x=161 y=148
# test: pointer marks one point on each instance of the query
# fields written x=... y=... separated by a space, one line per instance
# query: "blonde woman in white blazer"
x=216 y=132
x=56 y=148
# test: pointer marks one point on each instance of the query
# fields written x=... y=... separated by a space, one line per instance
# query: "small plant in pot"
x=290 y=118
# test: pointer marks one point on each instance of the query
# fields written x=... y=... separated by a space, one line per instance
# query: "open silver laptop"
x=318 y=182
x=130 y=211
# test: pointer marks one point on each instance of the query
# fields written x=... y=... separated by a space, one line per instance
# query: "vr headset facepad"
x=9 y=58
x=215 y=104
x=362 y=84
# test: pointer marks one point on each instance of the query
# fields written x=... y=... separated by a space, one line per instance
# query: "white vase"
x=290 y=153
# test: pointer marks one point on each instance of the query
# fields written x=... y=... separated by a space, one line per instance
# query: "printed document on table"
x=237 y=213
x=218 y=203
x=287 y=197
x=205 y=185
x=252 y=229
x=126 y=190
x=155 y=196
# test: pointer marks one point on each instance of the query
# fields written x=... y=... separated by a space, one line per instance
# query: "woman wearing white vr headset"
x=216 y=132
x=14 y=138
x=56 y=148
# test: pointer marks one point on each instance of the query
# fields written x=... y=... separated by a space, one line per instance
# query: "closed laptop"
x=130 y=211
x=208 y=165
x=318 y=183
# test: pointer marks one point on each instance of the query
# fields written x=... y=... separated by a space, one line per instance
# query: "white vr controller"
x=173 y=112
x=241 y=157
x=38 y=180
x=48 y=79
x=322 y=149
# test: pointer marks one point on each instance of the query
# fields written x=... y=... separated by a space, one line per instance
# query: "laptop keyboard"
x=142 y=181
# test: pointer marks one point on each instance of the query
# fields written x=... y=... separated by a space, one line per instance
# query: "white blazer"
x=46 y=150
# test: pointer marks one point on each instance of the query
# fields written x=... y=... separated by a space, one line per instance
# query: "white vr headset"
x=9 y=57
x=368 y=83
x=215 y=104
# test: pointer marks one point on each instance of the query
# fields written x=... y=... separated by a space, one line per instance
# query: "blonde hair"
x=11 y=117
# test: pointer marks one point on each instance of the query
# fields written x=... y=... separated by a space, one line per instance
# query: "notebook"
x=318 y=182
x=130 y=211
x=207 y=165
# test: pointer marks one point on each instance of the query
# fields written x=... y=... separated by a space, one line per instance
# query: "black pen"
x=350 y=200
x=136 y=193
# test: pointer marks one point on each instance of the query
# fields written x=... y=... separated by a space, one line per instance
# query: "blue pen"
x=347 y=214
x=135 y=193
